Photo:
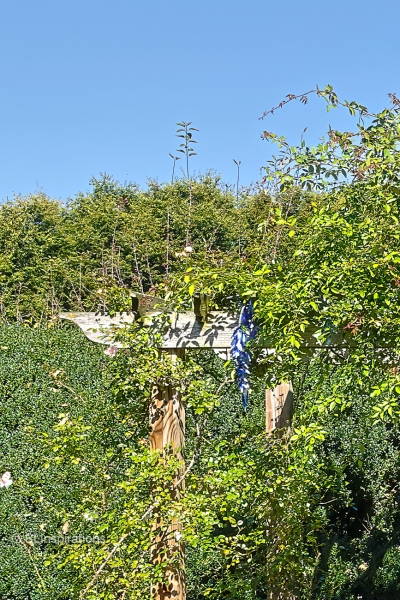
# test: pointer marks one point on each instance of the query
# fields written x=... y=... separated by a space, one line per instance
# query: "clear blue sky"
x=90 y=86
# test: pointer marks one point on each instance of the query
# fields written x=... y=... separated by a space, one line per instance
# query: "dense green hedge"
x=33 y=504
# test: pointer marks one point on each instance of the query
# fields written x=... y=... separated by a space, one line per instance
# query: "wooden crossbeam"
x=187 y=330
x=198 y=328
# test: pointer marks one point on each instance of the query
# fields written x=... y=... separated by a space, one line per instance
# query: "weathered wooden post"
x=167 y=431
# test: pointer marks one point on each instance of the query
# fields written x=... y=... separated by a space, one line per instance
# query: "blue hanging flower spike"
x=244 y=332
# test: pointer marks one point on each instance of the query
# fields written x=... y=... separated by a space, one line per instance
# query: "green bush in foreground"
x=33 y=507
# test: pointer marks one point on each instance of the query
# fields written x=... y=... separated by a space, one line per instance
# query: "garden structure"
x=191 y=329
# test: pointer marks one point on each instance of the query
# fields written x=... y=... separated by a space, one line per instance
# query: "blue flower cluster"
x=244 y=332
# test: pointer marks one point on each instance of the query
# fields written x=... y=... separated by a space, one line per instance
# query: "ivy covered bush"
x=34 y=508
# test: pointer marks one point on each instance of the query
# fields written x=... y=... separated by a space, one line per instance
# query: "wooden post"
x=278 y=407
x=167 y=431
x=278 y=415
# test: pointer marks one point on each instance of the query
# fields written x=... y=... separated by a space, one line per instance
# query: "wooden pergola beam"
x=188 y=330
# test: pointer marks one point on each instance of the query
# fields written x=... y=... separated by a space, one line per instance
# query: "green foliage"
x=84 y=255
x=36 y=506
x=88 y=475
x=256 y=515
x=332 y=274
x=313 y=514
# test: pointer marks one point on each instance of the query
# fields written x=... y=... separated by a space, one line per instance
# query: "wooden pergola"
x=191 y=329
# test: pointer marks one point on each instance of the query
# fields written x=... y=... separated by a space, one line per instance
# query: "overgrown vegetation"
x=312 y=515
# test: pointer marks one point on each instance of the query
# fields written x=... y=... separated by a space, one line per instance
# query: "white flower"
x=111 y=351
x=5 y=480
x=90 y=516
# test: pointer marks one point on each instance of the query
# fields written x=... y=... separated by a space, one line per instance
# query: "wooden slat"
x=144 y=303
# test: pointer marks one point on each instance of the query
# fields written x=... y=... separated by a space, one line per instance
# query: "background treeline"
x=84 y=253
